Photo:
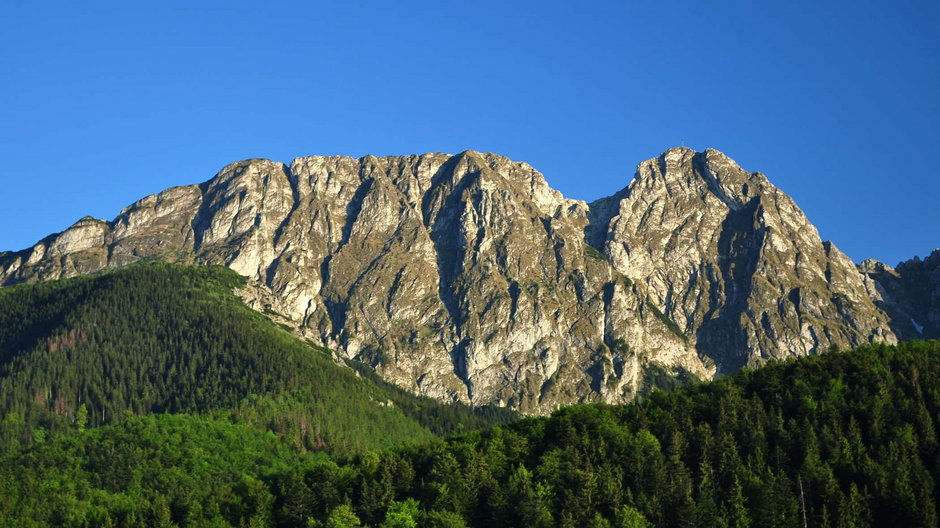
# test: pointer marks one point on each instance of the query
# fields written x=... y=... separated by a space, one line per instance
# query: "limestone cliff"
x=468 y=278
x=735 y=263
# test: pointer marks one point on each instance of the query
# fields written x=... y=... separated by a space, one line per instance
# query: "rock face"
x=735 y=263
x=468 y=278
x=910 y=294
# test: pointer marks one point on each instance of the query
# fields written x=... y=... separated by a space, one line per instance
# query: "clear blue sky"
x=837 y=102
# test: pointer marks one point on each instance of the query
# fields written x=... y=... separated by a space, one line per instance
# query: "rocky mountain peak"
x=682 y=170
x=871 y=265
x=467 y=277
x=734 y=262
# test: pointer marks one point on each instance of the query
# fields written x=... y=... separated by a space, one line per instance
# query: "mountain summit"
x=735 y=263
x=466 y=277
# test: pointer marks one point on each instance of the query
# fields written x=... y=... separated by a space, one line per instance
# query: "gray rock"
x=909 y=293
x=735 y=263
x=468 y=278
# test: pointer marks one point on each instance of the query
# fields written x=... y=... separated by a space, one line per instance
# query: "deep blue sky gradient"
x=837 y=102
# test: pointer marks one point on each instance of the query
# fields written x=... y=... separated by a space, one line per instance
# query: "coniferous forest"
x=158 y=338
x=150 y=396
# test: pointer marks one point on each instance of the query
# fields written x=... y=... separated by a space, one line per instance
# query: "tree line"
x=846 y=439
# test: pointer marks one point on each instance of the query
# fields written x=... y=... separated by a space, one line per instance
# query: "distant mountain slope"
x=161 y=338
x=910 y=293
x=467 y=278
x=843 y=439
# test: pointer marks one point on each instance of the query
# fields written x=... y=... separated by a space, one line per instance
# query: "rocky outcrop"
x=468 y=278
x=909 y=293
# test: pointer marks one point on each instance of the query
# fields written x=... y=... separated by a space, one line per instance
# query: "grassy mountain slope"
x=843 y=439
x=160 y=338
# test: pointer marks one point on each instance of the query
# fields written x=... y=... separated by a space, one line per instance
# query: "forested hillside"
x=847 y=439
x=158 y=338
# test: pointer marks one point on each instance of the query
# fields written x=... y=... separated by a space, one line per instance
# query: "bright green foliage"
x=81 y=417
x=342 y=517
x=158 y=469
x=402 y=514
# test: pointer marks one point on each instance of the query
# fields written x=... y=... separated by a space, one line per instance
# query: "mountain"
x=910 y=293
x=735 y=263
x=467 y=278
x=155 y=338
